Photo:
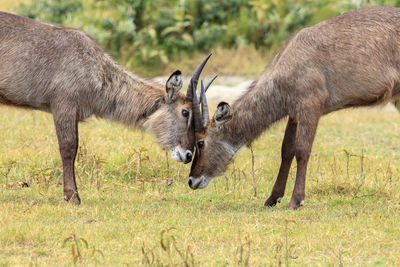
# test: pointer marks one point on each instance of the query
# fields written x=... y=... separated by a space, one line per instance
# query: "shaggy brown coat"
x=67 y=73
x=348 y=61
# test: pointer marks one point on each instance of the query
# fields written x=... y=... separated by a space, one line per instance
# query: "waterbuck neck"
x=259 y=107
x=127 y=98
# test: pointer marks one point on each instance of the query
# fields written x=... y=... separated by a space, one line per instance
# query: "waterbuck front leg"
x=67 y=133
x=305 y=133
x=287 y=154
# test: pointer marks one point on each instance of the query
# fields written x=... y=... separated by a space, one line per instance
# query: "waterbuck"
x=67 y=73
x=348 y=61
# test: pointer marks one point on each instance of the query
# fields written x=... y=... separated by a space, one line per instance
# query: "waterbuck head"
x=172 y=123
x=213 y=153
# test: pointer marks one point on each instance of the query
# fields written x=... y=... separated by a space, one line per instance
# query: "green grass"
x=131 y=216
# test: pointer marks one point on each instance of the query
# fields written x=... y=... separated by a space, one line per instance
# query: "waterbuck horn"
x=206 y=87
x=203 y=100
x=198 y=124
x=194 y=80
x=210 y=82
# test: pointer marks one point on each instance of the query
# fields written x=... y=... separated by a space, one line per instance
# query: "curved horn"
x=207 y=85
x=210 y=82
x=195 y=79
x=198 y=124
x=204 y=105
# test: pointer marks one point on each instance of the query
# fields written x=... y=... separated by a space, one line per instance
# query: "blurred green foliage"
x=149 y=33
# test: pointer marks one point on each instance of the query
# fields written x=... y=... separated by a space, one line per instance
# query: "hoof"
x=294 y=205
x=72 y=198
x=271 y=201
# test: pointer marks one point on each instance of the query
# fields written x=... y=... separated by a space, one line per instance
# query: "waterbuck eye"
x=185 y=113
x=200 y=144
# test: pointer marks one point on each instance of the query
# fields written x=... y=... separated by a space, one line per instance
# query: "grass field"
x=137 y=208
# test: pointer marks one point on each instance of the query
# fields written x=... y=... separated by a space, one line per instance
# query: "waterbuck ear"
x=223 y=114
x=173 y=85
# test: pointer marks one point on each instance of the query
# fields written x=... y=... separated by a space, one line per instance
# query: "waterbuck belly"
x=14 y=100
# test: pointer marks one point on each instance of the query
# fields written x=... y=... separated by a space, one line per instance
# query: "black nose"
x=190 y=183
x=188 y=157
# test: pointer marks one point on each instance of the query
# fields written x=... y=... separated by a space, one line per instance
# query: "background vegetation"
x=147 y=35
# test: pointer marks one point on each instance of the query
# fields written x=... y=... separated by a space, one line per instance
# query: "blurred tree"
x=147 y=34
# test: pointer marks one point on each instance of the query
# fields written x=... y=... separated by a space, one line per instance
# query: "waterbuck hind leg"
x=67 y=133
x=397 y=104
x=305 y=134
x=287 y=154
